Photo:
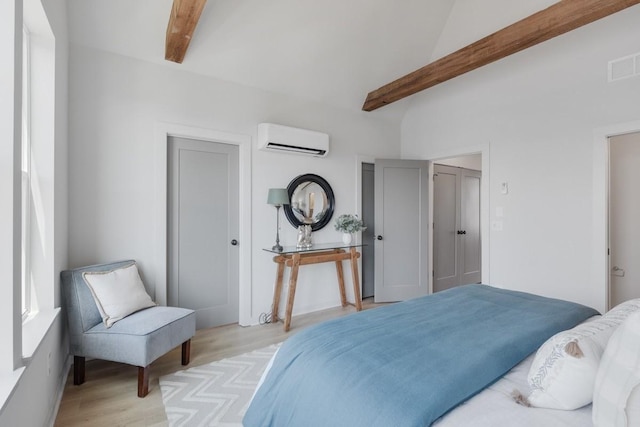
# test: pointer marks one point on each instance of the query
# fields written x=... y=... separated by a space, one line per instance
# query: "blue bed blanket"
x=406 y=364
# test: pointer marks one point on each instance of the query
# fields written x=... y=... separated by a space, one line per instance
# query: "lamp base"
x=277 y=247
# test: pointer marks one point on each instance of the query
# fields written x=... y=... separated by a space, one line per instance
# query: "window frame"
x=26 y=175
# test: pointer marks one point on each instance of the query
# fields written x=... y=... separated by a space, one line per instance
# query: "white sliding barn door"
x=401 y=226
x=203 y=229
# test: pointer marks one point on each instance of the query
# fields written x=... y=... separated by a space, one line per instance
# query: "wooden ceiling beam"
x=182 y=23
x=560 y=18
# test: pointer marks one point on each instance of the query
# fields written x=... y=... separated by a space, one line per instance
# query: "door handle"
x=234 y=242
x=379 y=237
x=617 y=271
x=462 y=231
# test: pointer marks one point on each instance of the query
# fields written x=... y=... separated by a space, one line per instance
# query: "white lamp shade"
x=278 y=197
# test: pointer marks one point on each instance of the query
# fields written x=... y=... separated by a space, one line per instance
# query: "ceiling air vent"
x=622 y=68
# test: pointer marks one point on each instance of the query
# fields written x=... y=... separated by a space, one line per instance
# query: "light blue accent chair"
x=138 y=339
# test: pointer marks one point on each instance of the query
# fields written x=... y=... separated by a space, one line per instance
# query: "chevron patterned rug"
x=216 y=394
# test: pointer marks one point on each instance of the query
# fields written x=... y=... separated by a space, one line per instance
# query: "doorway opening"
x=203 y=229
x=163 y=132
x=368 y=235
x=475 y=159
x=623 y=211
x=456 y=222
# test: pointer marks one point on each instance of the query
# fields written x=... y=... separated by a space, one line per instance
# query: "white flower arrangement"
x=347 y=223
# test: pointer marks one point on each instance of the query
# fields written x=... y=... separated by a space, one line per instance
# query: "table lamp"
x=278 y=197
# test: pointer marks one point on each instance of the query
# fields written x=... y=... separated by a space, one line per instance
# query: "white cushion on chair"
x=118 y=293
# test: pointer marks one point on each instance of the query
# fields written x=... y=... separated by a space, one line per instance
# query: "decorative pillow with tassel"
x=563 y=372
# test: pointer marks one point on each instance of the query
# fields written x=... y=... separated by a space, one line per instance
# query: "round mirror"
x=311 y=201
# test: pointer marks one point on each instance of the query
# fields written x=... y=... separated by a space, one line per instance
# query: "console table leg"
x=277 y=291
x=293 y=281
x=343 y=294
x=355 y=278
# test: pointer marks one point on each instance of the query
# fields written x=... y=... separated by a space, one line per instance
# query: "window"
x=26 y=175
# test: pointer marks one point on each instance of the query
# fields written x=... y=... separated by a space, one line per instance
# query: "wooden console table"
x=325 y=252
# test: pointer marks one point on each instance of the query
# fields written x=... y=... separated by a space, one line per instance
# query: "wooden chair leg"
x=186 y=352
x=143 y=381
x=78 y=370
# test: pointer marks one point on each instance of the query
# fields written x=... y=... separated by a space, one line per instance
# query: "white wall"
x=538 y=111
x=33 y=400
x=116 y=101
x=10 y=218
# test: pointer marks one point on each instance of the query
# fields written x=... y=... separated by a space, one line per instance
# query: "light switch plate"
x=504 y=188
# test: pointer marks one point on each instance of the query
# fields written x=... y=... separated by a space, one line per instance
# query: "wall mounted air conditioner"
x=272 y=137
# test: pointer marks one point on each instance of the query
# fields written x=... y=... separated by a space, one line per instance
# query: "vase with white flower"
x=348 y=224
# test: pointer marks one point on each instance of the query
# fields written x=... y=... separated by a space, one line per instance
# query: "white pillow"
x=118 y=293
x=563 y=372
x=616 y=396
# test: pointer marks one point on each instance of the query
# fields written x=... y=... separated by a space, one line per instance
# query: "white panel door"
x=456 y=218
x=401 y=228
x=470 y=242
x=624 y=227
x=446 y=227
x=203 y=230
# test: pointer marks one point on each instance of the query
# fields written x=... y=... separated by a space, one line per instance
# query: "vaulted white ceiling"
x=330 y=51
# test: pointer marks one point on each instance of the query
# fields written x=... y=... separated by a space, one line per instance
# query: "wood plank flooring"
x=108 y=396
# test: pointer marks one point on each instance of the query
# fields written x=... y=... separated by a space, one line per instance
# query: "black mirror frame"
x=291 y=217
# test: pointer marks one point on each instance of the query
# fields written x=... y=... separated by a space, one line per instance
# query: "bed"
x=409 y=364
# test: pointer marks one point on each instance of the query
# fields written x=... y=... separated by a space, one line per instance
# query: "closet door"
x=456 y=228
x=470 y=250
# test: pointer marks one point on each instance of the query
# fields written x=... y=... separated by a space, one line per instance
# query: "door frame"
x=485 y=211
x=162 y=133
x=360 y=159
x=460 y=173
x=482 y=149
x=600 y=257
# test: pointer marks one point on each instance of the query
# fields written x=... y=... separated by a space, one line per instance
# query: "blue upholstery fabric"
x=142 y=337
x=138 y=339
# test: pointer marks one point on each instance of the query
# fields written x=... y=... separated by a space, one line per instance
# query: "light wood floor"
x=109 y=395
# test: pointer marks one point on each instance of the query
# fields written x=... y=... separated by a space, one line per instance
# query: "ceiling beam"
x=560 y=18
x=182 y=23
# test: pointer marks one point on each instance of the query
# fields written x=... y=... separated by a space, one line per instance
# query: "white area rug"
x=216 y=394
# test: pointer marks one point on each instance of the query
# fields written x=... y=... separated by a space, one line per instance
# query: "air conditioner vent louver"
x=301 y=150
x=284 y=139
x=623 y=68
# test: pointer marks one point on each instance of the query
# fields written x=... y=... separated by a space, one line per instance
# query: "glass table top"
x=315 y=248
